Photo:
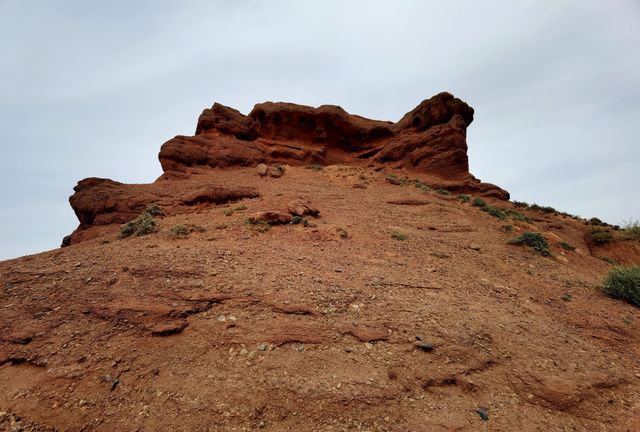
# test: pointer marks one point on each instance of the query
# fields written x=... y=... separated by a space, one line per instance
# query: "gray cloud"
x=94 y=89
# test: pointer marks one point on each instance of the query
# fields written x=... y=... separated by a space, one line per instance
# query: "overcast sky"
x=93 y=88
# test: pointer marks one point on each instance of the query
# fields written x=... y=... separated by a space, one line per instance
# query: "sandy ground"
x=338 y=325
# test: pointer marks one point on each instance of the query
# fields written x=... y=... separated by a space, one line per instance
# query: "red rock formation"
x=429 y=141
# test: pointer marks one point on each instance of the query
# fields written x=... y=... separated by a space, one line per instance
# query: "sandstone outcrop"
x=429 y=142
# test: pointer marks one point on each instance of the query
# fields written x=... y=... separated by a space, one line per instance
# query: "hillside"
x=314 y=270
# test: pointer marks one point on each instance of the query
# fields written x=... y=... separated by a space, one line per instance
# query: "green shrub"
x=183 y=230
x=601 y=237
x=567 y=246
x=535 y=241
x=478 y=202
x=142 y=225
x=180 y=230
x=398 y=235
x=342 y=233
x=154 y=210
x=516 y=215
x=623 y=283
x=443 y=192
x=520 y=204
x=464 y=198
x=295 y=220
x=423 y=187
x=494 y=211
x=631 y=231
x=596 y=221
x=231 y=210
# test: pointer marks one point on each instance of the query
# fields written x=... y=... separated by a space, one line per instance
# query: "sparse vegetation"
x=231 y=210
x=631 y=231
x=623 y=283
x=259 y=226
x=521 y=204
x=342 y=233
x=543 y=209
x=609 y=260
x=534 y=240
x=478 y=202
x=567 y=297
x=494 y=211
x=423 y=187
x=397 y=235
x=295 y=220
x=443 y=192
x=601 y=237
x=506 y=228
x=516 y=215
x=315 y=167
x=183 y=230
x=464 y=198
x=143 y=224
x=566 y=246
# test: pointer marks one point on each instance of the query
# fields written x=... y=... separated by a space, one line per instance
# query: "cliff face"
x=429 y=142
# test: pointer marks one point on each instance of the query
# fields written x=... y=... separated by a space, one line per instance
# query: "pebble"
x=426 y=346
x=483 y=413
x=263 y=347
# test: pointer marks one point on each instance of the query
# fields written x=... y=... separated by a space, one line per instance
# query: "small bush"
x=478 y=202
x=596 y=221
x=601 y=237
x=443 y=192
x=631 y=231
x=623 y=283
x=423 y=187
x=342 y=233
x=154 y=210
x=180 y=230
x=397 y=235
x=231 y=210
x=295 y=220
x=567 y=246
x=516 y=215
x=142 y=225
x=535 y=241
x=520 y=204
x=464 y=198
x=494 y=211
x=183 y=230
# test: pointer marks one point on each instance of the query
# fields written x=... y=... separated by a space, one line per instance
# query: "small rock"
x=393 y=180
x=426 y=346
x=483 y=413
x=263 y=347
x=339 y=270
x=263 y=169
x=252 y=355
x=106 y=378
x=474 y=247
x=155 y=371
x=271 y=218
x=243 y=351
x=360 y=186
x=276 y=171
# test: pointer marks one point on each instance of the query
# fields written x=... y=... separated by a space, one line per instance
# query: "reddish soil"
x=318 y=327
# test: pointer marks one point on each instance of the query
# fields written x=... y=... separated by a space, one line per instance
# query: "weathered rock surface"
x=428 y=142
x=430 y=139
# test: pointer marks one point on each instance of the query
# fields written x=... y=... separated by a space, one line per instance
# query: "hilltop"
x=304 y=268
